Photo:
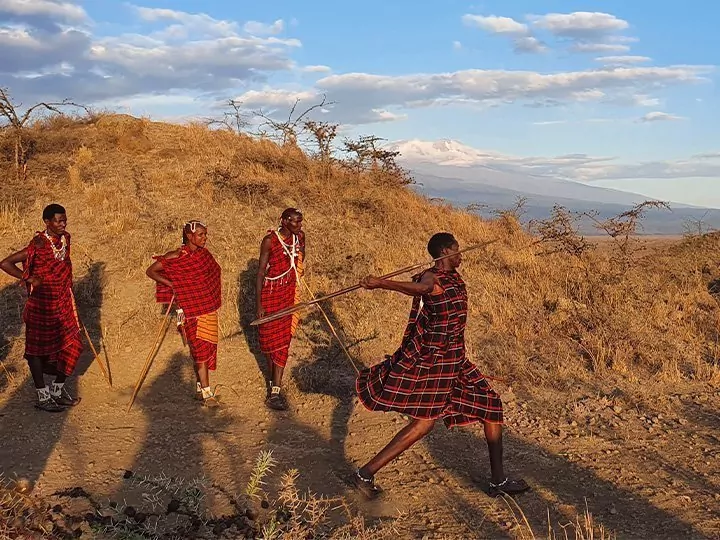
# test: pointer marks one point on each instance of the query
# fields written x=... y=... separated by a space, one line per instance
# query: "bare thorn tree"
x=15 y=122
x=367 y=155
x=288 y=130
x=236 y=119
x=323 y=135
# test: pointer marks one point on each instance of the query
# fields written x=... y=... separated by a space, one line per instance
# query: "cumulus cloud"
x=622 y=60
x=580 y=24
x=585 y=47
x=658 y=116
x=529 y=44
x=496 y=25
x=190 y=51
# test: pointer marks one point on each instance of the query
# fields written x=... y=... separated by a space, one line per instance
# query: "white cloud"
x=580 y=24
x=64 y=11
x=707 y=155
x=623 y=60
x=193 y=52
x=263 y=29
x=529 y=44
x=658 y=116
x=316 y=69
x=457 y=45
x=578 y=167
x=585 y=47
x=495 y=25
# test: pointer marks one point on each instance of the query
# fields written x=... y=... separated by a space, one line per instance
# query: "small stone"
x=617 y=409
x=613 y=511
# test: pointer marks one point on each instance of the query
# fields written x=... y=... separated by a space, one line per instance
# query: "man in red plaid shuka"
x=193 y=276
x=429 y=377
x=280 y=269
x=52 y=328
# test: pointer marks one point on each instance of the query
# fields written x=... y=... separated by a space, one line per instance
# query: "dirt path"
x=640 y=476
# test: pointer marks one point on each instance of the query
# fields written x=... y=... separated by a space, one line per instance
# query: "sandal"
x=210 y=402
x=49 y=405
x=65 y=399
x=508 y=487
x=276 y=400
x=366 y=486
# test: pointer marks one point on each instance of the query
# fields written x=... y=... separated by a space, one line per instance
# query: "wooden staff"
x=304 y=305
x=97 y=356
x=153 y=351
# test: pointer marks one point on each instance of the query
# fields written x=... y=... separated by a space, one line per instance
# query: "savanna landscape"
x=606 y=354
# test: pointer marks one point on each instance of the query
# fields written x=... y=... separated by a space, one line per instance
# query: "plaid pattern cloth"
x=429 y=377
x=52 y=329
x=195 y=276
x=279 y=293
x=202 y=340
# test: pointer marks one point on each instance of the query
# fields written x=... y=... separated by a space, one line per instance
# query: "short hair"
x=290 y=212
x=191 y=226
x=438 y=242
x=51 y=209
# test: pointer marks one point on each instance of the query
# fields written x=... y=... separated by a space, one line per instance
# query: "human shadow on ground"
x=246 y=302
x=37 y=432
x=463 y=453
x=12 y=301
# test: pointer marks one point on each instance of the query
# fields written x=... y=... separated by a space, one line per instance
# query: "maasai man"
x=429 y=377
x=282 y=253
x=52 y=328
x=193 y=276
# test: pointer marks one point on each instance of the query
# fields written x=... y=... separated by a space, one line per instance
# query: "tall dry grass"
x=540 y=315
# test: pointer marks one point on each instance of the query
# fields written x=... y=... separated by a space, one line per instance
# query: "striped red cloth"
x=195 y=276
x=202 y=350
x=429 y=377
x=52 y=329
x=280 y=291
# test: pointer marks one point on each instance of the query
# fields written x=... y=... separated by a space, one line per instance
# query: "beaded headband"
x=193 y=224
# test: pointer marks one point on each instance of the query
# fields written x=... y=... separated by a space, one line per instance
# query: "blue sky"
x=633 y=82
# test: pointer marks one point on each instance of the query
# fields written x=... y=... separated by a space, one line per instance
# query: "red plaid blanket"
x=195 y=276
x=51 y=323
x=429 y=376
x=279 y=292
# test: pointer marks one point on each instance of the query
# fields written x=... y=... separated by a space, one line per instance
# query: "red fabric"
x=276 y=336
x=63 y=361
x=429 y=377
x=195 y=276
x=51 y=323
x=203 y=352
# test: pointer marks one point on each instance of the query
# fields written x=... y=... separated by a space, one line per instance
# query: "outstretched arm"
x=9 y=266
x=262 y=269
x=426 y=285
x=154 y=271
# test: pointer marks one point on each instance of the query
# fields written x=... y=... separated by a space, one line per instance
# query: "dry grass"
x=547 y=314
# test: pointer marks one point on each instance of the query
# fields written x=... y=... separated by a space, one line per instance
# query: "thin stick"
x=153 y=351
x=305 y=305
x=332 y=328
x=7 y=373
x=97 y=356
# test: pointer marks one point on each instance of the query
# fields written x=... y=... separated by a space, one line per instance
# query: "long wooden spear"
x=153 y=351
x=97 y=356
x=304 y=305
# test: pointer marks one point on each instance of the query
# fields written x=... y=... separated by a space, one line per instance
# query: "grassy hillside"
x=539 y=315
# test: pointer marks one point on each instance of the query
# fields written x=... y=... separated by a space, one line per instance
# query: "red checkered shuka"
x=52 y=329
x=280 y=291
x=429 y=377
x=195 y=276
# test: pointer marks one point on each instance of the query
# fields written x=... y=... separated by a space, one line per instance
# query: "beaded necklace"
x=58 y=253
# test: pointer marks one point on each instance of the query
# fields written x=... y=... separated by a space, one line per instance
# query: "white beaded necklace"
x=60 y=252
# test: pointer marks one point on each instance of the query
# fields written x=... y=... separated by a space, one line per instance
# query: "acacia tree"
x=367 y=155
x=236 y=120
x=14 y=122
x=288 y=130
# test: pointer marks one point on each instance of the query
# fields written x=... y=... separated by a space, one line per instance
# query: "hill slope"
x=597 y=351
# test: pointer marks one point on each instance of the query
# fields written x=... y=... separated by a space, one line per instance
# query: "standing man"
x=193 y=276
x=429 y=378
x=52 y=328
x=282 y=253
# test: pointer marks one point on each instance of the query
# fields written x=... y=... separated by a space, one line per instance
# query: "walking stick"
x=153 y=351
x=304 y=305
x=97 y=356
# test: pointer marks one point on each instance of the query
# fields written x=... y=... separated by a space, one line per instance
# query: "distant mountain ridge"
x=463 y=175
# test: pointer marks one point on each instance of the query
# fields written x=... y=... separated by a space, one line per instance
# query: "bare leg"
x=405 y=438
x=36 y=370
x=277 y=374
x=202 y=375
x=493 y=435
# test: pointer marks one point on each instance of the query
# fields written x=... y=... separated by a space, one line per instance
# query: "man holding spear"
x=52 y=327
x=429 y=377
